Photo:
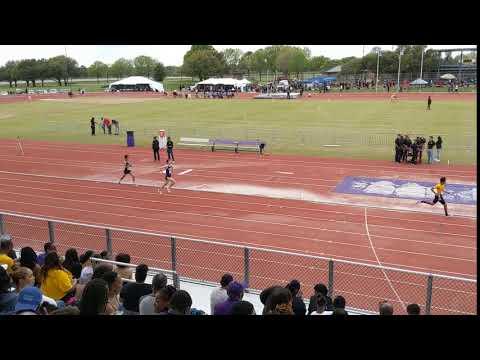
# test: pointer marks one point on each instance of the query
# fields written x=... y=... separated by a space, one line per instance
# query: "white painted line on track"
x=284 y=172
x=185 y=172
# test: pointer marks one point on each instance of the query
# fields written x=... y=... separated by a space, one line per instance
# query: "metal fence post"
x=173 y=246
x=246 y=267
x=330 y=278
x=428 y=302
x=2 y=226
x=108 y=237
x=51 y=231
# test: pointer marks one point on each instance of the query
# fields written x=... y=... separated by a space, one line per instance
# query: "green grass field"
x=360 y=129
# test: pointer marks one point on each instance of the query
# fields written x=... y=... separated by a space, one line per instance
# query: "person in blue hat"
x=28 y=301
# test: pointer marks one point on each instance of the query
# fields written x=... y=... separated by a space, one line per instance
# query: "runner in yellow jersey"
x=438 y=190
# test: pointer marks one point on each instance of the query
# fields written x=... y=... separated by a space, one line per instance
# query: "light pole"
x=421 y=69
x=266 y=66
x=378 y=63
x=399 y=63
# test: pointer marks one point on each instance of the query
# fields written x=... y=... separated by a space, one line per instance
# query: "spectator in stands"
x=298 y=305
x=87 y=267
x=94 y=298
x=29 y=301
x=8 y=298
x=265 y=296
x=72 y=263
x=6 y=246
x=243 y=308
x=28 y=259
x=48 y=248
x=23 y=277
x=56 y=281
x=180 y=303
x=321 y=306
x=114 y=283
x=132 y=292
x=98 y=272
x=385 y=308
x=104 y=255
x=339 y=304
x=162 y=300
x=320 y=289
x=125 y=272
x=235 y=294
x=280 y=302
x=413 y=309
x=146 y=305
x=219 y=295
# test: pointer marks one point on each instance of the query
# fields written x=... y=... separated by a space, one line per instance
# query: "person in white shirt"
x=321 y=304
x=87 y=267
x=219 y=295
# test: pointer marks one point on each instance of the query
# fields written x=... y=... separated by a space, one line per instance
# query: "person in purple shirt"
x=48 y=248
x=235 y=294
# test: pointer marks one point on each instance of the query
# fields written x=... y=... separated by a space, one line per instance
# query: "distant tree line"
x=62 y=68
x=203 y=61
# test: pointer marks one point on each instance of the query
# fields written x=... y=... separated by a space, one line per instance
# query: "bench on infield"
x=236 y=145
x=194 y=142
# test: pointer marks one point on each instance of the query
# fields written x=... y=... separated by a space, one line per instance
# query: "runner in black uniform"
x=168 y=176
x=127 y=170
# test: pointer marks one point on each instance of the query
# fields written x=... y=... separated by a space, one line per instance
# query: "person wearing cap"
x=219 y=295
x=235 y=294
x=147 y=302
x=298 y=305
x=28 y=301
x=6 y=246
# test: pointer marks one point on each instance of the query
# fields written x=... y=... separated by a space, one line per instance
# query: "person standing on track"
x=438 y=190
x=127 y=170
x=92 y=125
x=169 y=180
x=170 y=149
x=156 y=149
x=430 y=145
x=438 y=145
x=429 y=102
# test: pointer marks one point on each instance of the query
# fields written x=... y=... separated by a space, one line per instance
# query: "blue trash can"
x=130 y=139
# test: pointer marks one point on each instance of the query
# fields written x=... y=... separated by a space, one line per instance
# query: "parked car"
x=31 y=91
x=52 y=91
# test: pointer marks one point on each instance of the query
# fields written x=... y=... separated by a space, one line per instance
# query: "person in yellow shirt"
x=6 y=247
x=57 y=282
x=438 y=190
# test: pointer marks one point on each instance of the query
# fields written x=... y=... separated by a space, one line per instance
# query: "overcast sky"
x=167 y=54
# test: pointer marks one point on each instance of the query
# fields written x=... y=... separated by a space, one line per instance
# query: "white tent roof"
x=139 y=80
x=419 y=82
x=448 y=77
x=224 y=81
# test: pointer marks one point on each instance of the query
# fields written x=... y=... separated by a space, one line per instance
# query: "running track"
x=76 y=182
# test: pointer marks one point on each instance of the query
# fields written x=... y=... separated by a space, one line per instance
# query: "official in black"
x=156 y=149
x=407 y=144
x=92 y=125
x=170 y=148
x=398 y=148
x=429 y=102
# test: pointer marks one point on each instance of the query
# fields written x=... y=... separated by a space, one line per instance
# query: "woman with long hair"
x=114 y=282
x=94 y=298
x=56 y=281
x=72 y=263
x=23 y=277
x=28 y=259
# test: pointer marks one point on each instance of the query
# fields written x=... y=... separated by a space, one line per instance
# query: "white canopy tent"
x=239 y=84
x=448 y=77
x=419 y=82
x=136 y=82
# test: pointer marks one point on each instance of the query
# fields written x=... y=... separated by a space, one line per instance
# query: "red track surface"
x=75 y=182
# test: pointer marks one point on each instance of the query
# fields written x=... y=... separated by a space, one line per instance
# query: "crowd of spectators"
x=51 y=284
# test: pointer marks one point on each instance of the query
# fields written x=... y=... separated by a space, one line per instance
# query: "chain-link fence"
x=362 y=285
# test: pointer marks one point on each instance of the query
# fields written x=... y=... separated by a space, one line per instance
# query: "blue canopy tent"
x=320 y=80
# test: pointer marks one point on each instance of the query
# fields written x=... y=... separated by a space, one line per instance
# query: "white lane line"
x=284 y=172
x=185 y=172
x=379 y=263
